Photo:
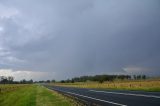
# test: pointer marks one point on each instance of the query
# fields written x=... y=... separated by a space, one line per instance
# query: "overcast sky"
x=59 y=39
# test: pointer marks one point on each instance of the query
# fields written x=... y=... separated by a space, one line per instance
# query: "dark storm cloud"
x=72 y=38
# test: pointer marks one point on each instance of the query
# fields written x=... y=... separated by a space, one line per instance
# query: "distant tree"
x=23 y=81
x=138 y=76
x=62 y=81
x=68 y=81
x=10 y=79
x=48 y=81
x=72 y=81
x=4 y=79
x=30 y=81
x=143 y=76
x=41 y=81
x=53 y=81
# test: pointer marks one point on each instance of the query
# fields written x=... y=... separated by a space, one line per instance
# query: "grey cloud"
x=72 y=38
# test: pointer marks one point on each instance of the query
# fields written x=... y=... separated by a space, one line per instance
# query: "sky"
x=60 y=39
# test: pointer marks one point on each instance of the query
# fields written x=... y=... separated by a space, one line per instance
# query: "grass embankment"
x=33 y=95
x=142 y=85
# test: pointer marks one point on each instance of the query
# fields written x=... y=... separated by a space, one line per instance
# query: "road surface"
x=112 y=97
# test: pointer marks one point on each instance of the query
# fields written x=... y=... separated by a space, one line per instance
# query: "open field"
x=10 y=87
x=143 y=85
x=32 y=95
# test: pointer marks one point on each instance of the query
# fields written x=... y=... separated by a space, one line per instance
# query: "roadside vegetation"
x=31 y=95
x=121 y=82
x=143 y=85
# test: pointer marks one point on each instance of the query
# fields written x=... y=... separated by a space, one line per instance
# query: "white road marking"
x=131 y=94
x=93 y=98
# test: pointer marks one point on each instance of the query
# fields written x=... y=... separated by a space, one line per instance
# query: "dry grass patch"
x=144 y=85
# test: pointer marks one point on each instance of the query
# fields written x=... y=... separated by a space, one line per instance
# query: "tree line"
x=97 y=78
x=102 y=78
x=10 y=80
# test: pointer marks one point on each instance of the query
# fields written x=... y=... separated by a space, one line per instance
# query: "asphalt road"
x=112 y=97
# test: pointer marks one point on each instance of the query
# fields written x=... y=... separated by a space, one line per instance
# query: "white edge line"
x=131 y=94
x=93 y=98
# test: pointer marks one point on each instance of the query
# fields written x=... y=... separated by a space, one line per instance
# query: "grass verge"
x=46 y=97
x=33 y=95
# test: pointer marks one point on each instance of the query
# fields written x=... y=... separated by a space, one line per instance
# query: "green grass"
x=33 y=95
x=47 y=97
x=22 y=97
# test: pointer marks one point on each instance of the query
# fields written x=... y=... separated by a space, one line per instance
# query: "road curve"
x=112 y=97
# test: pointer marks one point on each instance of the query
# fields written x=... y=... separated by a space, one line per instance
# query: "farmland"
x=143 y=85
x=30 y=95
x=10 y=87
